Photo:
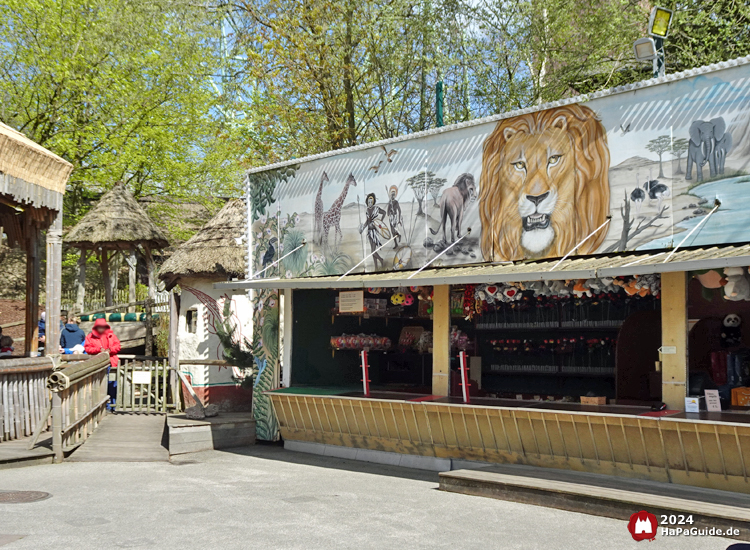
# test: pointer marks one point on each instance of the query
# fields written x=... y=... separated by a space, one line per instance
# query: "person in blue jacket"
x=72 y=336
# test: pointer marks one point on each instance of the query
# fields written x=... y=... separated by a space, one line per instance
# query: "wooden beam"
x=54 y=285
x=31 y=334
x=674 y=330
x=81 y=283
x=104 y=263
x=149 y=341
x=151 y=271
x=286 y=359
x=174 y=346
x=441 y=339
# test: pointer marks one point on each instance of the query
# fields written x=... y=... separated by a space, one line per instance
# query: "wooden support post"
x=81 y=290
x=54 y=285
x=104 y=263
x=151 y=272
x=132 y=277
x=174 y=347
x=57 y=427
x=674 y=330
x=33 y=267
x=441 y=339
x=148 y=308
x=286 y=360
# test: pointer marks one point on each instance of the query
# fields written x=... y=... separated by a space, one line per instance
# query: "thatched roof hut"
x=215 y=252
x=116 y=222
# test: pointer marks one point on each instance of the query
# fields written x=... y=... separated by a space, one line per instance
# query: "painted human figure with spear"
x=375 y=227
x=394 y=215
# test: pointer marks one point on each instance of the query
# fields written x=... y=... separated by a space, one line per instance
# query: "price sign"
x=713 y=403
x=352 y=301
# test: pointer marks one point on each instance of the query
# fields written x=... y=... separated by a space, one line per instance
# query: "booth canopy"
x=585 y=267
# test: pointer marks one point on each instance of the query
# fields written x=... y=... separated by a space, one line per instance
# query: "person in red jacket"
x=101 y=338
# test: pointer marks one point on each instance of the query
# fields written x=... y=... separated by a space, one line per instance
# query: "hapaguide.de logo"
x=642 y=526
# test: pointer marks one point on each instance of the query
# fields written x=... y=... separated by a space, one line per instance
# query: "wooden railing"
x=79 y=399
x=24 y=399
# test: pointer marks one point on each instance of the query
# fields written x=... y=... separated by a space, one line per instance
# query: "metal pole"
x=57 y=427
x=659 y=69
x=439 y=103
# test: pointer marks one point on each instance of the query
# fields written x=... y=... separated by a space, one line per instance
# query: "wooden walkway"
x=125 y=438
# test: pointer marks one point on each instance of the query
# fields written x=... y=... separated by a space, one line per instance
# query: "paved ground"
x=268 y=498
x=18 y=449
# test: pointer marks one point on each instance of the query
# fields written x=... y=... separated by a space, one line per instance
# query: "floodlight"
x=658 y=24
x=645 y=49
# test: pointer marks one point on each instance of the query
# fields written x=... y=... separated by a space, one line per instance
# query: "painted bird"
x=656 y=191
x=376 y=167
x=624 y=129
x=270 y=251
x=388 y=154
x=637 y=196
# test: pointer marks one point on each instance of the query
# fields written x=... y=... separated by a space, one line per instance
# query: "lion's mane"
x=501 y=224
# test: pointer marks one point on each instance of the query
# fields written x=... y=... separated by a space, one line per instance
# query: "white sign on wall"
x=352 y=301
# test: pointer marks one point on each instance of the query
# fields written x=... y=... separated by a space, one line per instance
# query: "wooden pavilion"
x=32 y=185
x=117 y=223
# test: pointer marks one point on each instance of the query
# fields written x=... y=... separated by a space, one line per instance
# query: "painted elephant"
x=709 y=143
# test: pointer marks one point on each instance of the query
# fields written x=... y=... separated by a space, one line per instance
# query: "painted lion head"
x=544 y=185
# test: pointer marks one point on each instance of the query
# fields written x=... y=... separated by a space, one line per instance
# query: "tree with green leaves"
x=706 y=31
x=660 y=145
x=124 y=91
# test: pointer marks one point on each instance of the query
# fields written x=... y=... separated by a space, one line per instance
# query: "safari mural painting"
x=587 y=175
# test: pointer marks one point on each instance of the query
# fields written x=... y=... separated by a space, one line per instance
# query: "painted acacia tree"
x=423 y=183
x=124 y=91
x=660 y=145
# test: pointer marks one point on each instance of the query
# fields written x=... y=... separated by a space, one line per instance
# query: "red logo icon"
x=642 y=526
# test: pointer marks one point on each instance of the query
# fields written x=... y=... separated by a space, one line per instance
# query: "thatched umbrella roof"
x=116 y=221
x=216 y=251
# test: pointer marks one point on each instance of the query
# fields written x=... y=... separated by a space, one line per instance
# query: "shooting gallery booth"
x=570 y=374
x=560 y=286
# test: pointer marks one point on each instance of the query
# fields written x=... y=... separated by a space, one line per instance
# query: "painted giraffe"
x=318 y=225
x=332 y=218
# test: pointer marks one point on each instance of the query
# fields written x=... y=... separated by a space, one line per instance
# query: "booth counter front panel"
x=702 y=452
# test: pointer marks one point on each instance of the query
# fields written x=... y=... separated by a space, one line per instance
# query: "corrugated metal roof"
x=582 y=267
x=475 y=122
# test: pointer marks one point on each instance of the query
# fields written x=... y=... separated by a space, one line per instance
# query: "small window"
x=191 y=320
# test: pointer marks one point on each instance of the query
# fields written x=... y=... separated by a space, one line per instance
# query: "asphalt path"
x=264 y=497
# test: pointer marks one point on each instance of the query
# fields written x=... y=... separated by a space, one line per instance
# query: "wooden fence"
x=94 y=300
x=24 y=399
